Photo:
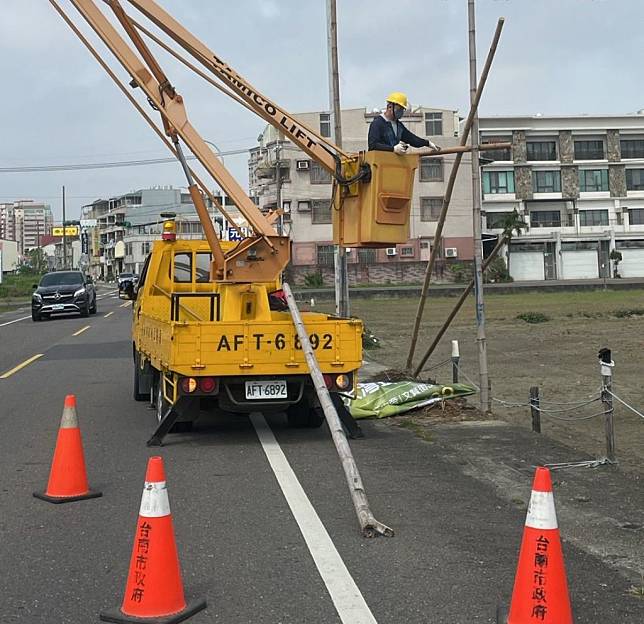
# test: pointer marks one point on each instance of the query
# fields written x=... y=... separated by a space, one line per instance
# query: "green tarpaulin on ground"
x=380 y=399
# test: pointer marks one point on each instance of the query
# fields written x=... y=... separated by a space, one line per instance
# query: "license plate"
x=273 y=389
x=58 y=306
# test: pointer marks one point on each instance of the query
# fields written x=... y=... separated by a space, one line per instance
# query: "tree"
x=511 y=224
x=616 y=257
x=37 y=260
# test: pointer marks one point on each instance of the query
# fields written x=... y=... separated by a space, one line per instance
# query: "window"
x=545 y=218
x=632 y=148
x=183 y=267
x=286 y=208
x=202 y=268
x=498 y=182
x=431 y=169
x=589 y=150
x=501 y=154
x=541 y=150
x=366 y=256
x=496 y=220
x=325 y=255
x=407 y=251
x=319 y=175
x=145 y=248
x=430 y=208
x=636 y=216
x=593 y=180
x=325 y=124
x=635 y=179
x=593 y=217
x=321 y=211
x=304 y=206
x=546 y=181
x=433 y=124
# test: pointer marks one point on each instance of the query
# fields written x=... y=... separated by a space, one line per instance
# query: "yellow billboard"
x=70 y=230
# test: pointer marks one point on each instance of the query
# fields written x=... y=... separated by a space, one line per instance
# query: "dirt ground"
x=558 y=355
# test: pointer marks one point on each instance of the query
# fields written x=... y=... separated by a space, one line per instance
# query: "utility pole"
x=64 y=234
x=476 y=218
x=340 y=253
x=278 y=187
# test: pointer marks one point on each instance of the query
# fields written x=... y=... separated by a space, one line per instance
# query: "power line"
x=108 y=165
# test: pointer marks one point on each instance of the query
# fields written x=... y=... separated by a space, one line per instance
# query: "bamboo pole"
x=449 y=189
x=369 y=525
x=457 y=307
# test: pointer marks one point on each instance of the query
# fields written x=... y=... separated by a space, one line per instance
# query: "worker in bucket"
x=388 y=134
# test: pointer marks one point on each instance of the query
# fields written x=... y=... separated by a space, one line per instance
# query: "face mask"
x=398 y=113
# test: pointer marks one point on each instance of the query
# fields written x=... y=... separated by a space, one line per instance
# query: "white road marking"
x=109 y=314
x=126 y=304
x=347 y=599
x=81 y=330
x=24 y=318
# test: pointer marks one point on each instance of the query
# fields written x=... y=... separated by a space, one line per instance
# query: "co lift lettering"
x=228 y=73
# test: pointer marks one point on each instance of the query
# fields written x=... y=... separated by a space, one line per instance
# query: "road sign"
x=70 y=230
x=87 y=223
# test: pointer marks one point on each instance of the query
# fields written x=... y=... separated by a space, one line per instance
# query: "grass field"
x=17 y=286
x=558 y=355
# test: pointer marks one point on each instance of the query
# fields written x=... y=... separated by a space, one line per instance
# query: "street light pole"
x=340 y=253
x=476 y=219
x=64 y=234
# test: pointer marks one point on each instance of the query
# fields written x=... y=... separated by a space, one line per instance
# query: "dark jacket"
x=382 y=137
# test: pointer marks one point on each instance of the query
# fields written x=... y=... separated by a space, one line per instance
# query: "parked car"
x=127 y=285
x=63 y=292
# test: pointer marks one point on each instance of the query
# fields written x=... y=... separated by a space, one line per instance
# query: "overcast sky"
x=58 y=106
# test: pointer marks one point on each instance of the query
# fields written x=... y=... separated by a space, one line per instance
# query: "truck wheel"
x=136 y=394
x=303 y=415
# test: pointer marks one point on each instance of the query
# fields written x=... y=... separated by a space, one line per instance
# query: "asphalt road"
x=452 y=560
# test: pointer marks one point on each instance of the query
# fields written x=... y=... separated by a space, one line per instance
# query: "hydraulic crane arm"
x=259 y=258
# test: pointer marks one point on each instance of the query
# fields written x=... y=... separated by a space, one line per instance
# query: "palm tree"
x=512 y=223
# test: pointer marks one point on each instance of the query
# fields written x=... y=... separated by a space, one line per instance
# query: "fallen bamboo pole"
x=457 y=307
x=448 y=191
x=369 y=525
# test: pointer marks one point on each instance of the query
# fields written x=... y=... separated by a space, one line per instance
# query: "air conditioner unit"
x=303 y=165
x=451 y=252
x=348 y=250
x=390 y=251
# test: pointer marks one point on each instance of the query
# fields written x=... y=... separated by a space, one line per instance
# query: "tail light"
x=328 y=380
x=188 y=385
x=207 y=384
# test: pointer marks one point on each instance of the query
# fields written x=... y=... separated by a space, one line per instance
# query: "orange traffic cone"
x=68 y=478
x=154 y=591
x=540 y=589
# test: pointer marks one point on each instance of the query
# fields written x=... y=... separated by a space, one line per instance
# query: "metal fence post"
x=455 y=360
x=606 y=365
x=534 y=409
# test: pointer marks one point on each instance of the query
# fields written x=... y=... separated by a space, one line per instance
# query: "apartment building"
x=281 y=174
x=124 y=227
x=578 y=183
x=25 y=221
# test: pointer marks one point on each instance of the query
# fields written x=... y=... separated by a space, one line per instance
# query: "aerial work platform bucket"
x=376 y=213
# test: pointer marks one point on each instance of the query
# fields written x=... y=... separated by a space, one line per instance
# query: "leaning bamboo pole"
x=369 y=525
x=457 y=307
x=449 y=189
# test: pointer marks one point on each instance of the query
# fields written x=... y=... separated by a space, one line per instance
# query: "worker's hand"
x=401 y=148
x=432 y=146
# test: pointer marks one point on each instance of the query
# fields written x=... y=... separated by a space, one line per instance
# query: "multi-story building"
x=281 y=174
x=25 y=221
x=578 y=183
x=126 y=226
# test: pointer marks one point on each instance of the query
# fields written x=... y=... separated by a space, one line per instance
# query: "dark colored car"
x=127 y=285
x=63 y=292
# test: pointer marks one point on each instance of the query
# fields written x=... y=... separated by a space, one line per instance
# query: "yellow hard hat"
x=398 y=98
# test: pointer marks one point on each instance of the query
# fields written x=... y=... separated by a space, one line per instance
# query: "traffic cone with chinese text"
x=68 y=478
x=540 y=591
x=154 y=590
